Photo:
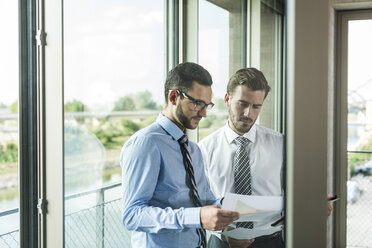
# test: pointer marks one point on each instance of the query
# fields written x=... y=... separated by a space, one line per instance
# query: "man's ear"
x=172 y=97
x=227 y=99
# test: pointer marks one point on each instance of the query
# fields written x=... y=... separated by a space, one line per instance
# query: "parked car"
x=353 y=192
x=365 y=170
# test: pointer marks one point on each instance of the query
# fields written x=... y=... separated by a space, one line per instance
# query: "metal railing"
x=94 y=222
x=359 y=198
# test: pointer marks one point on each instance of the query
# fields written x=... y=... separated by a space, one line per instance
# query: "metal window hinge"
x=42 y=206
x=40 y=37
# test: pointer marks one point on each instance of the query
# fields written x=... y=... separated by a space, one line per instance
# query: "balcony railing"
x=86 y=224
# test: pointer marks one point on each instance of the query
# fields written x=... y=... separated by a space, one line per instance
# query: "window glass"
x=214 y=57
x=271 y=61
x=9 y=197
x=359 y=140
x=222 y=48
x=113 y=73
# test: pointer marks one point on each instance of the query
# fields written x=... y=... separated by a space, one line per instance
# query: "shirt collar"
x=169 y=126
x=231 y=135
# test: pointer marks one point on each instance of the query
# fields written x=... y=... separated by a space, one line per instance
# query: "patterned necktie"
x=242 y=173
x=190 y=180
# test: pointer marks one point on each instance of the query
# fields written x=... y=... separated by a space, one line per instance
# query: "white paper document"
x=245 y=233
x=253 y=208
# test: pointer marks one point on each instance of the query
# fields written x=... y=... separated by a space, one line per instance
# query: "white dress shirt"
x=265 y=151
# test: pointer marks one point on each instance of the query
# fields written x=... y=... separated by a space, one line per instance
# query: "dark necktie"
x=190 y=179
x=242 y=173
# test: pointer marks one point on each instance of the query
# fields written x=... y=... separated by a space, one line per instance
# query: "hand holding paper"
x=213 y=218
x=253 y=208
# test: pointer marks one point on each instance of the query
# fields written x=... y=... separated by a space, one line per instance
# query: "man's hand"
x=237 y=243
x=214 y=218
x=330 y=207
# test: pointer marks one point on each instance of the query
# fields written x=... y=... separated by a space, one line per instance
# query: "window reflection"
x=113 y=67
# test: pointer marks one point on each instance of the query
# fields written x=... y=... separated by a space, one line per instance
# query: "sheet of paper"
x=245 y=233
x=253 y=208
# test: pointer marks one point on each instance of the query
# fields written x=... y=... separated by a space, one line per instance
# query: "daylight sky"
x=113 y=48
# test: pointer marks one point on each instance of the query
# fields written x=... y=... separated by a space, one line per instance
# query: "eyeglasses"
x=199 y=104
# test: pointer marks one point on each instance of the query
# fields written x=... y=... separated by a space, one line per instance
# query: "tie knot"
x=183 y=139
x=241 y=141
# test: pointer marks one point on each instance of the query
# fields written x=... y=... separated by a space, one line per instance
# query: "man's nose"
x=247 y=111
x=203 y=112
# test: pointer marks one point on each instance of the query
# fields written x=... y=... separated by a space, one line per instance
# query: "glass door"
x=359 y=136
x=353 y=221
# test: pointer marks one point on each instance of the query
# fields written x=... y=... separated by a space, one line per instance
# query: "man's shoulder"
x=151 y=132
x=267 y=133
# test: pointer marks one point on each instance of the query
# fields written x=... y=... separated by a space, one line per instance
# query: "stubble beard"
x=184 y=121
x=240 y=128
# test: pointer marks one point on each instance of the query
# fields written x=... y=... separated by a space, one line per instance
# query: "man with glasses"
x=166 y=198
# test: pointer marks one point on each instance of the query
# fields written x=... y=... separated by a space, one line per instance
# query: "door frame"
x=341 y=170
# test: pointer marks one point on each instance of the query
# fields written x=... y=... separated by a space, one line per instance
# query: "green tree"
x=206 y=122
x=144 y=100
x=2 y=105
x=355 y=159
x=74 y=106
x=14 y=107
x=129 y=127
x=220 y=103
x=8 y=153
x=124 y=103
x=106 y=132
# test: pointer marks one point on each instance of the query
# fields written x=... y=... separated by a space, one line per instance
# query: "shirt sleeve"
x=141 y=161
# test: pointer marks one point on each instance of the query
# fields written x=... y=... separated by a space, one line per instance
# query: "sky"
x=8 y=52
x=360 y=60
x=114 y=47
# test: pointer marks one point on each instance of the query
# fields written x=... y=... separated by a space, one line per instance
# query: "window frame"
x=181 y=46
x=341 y=119
x=28 y=138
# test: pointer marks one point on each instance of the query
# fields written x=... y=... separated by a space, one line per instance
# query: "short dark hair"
x=183 y=75
x=250 y=77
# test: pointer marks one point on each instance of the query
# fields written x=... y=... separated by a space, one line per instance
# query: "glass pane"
x=270 y=62
x=359 y=184
x=214 y=57
x=113 y=68
x=9 y=199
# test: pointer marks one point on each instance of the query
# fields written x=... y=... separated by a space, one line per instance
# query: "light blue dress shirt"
x=156 y=203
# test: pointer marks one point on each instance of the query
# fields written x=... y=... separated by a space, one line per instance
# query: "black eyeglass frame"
x=199 y=104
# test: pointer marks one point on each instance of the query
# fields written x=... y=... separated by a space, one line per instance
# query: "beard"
x=240 y=127
x=183 y=119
